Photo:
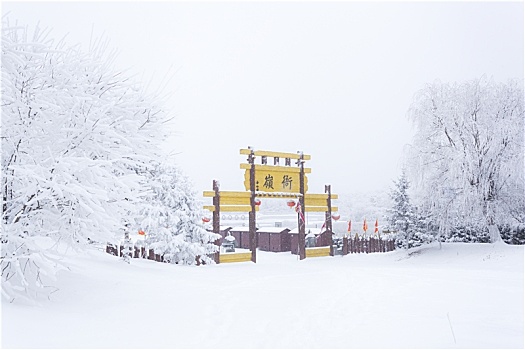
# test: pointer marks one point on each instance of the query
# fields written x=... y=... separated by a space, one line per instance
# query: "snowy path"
x=358 y=301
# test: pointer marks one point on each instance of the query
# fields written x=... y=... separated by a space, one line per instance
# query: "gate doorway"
x=263 y=180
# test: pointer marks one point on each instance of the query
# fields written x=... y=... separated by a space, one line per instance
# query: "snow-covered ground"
x=464 y=296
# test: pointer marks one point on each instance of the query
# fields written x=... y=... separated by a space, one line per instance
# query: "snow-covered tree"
x=404 y=219
x=74 y=132
x=466 y=162
x=172 y=218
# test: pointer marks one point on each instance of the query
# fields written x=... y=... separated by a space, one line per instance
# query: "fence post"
x=111 y=249
x=345 y=245
x=216 y=255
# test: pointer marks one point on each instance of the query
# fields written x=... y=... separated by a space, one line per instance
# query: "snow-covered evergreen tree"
x=404 y=219
x=172 y=218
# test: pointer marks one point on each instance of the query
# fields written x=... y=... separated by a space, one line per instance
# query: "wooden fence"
x=367 y=245
x=348 y=246
x=136 y=252
x=143 y=253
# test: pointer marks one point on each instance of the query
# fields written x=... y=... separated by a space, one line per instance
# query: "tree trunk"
x=488 y=211
x=495 y=236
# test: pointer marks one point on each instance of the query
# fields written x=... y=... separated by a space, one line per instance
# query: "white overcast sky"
x=331 y=79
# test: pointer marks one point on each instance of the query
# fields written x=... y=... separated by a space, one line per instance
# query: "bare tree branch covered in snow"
x=77 y=137
x=466 y=163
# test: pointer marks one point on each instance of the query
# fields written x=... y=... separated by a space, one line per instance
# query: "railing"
x=142 y=253
x=345 y=246
x=367 y=245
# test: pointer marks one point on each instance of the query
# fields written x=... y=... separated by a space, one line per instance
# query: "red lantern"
x=257 y=201
x=142 y=233
x=291 y=203
x=336 y=217
x=205 y=219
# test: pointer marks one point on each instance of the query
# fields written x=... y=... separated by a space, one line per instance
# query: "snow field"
x=464 y=295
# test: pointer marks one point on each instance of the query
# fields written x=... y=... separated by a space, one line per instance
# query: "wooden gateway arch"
x=276 y=181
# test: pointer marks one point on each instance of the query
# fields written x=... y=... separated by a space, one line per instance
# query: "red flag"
x=299 y=211
x=349 y=225
x=322 y=227
x=376 y=230
x=365 y=226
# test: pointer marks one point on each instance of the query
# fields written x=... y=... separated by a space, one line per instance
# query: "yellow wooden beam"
x=228 y=194
x=319 y=209
x=309 y=202
x=235 y=194
x=246 y=194
x=275 y=154
x=235 y=257
x=232 y=208
x=319 y=196
x=261 y=194
x=317 y=252
x=234 y=200
x=275 y=168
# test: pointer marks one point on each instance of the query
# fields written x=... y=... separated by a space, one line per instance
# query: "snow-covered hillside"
x=463 y=295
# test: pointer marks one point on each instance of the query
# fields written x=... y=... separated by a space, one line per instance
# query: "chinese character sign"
x=268 y=182
x=275 y=181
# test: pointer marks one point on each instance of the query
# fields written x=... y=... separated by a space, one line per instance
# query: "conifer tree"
x=172 y=218
x=404 y=218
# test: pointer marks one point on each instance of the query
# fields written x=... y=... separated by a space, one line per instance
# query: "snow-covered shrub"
x=415 y=240
x=513 y=234
x=172 y=218
x=467 y=234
